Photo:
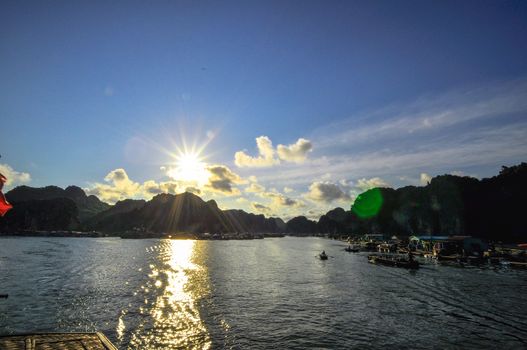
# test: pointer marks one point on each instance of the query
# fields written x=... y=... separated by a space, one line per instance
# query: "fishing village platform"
x=56 y=341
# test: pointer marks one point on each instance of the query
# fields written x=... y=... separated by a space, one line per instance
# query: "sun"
x=189 y=168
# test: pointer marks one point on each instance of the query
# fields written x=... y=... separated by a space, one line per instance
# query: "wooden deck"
x=56 y=341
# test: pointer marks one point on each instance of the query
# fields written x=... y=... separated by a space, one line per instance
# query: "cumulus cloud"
x=280 y=200
x=260 y=207
x=268 y=156
x=152 y=187
x=192 y=189
x=288 y=190
x=117 y=176
x=265 y=156
x=170 y=187
x=425 y=179
x=365 y=184
x=296 y=152
x=14 y=177
x=119 y=186
x=254 y=188
x=326 y=192
x=222 y=180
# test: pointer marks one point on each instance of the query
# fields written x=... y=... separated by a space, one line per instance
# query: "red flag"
x=4 y=204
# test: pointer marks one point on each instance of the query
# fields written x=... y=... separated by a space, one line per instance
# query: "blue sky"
x=381 y=92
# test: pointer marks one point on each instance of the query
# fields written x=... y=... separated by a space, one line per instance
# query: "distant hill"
x=242 y=221
x=490 y=208
x=87 y=206
x=104 y=218
x=185 y=212
x=45 y=214
x=301 y=226
x=54 y=208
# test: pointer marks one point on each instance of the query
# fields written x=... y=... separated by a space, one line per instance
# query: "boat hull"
x=394 y=262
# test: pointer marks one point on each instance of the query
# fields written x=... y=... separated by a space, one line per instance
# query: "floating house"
x=373 y=238
x=465 y=245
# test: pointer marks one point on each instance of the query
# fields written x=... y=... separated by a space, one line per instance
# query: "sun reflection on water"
x=176 y=284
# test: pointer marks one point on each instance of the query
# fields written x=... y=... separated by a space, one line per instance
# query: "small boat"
x=351 y=249
x=369 y=246
x=323 y=256
x=444 y=257
x=394 y=261
x=518 y=265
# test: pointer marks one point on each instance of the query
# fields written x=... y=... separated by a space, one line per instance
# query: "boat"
x=323 y=256
x=452 y=257
x=518 y=265
x=395 y=261
x=369 y=246
x=87 y=341
x=351 y=249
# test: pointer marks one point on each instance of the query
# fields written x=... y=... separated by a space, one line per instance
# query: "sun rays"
x=189 y=167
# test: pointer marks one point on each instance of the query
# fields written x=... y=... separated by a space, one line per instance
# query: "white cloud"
x=219 y=179
x=254 y=188
x=14 y=177
x=365 y=184
x=288 y=189
x=119 y=186
x=222 y=180
x=265 y=156
x=326 y=192
x=296 y=152
x=152 y=187
x=280 y=200
x=194 y=190
x=260 y=207
x=424 y=179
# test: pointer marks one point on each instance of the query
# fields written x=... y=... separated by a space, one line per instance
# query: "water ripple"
x=272 y=293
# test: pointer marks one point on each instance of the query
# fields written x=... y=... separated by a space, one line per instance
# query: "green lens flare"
x=368 y=204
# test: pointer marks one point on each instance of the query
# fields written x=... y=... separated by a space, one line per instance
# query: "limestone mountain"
x=490 y=208
x=185 y=212
x=45 y=214
x=87 y=206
